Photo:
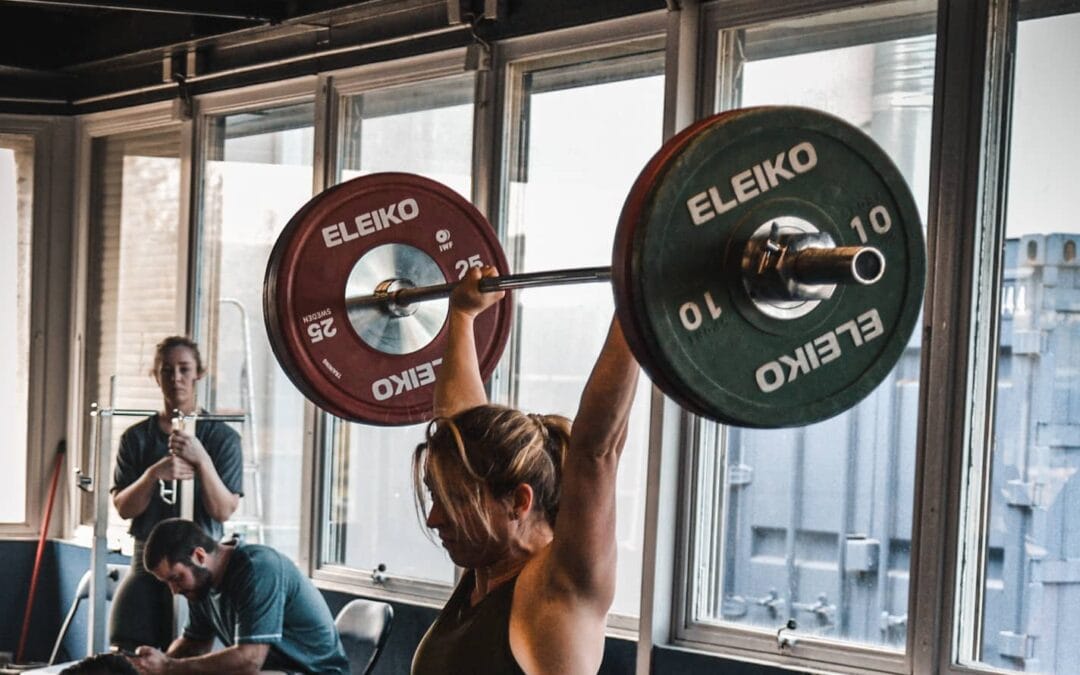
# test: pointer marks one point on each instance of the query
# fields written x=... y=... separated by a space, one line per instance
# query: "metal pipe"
x=85 y=481
x=247 y=376
x=186 y=417
x=796 y=502
x=239 y=70
x=168 y=489
x=156 y=8
x=811 y=267
x=98 y=617
x=843 y=264
x=247 y=402
x=95 y=411
x=796 y=262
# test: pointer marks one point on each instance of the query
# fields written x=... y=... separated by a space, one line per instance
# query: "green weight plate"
x=677 y=267
x=627 y=300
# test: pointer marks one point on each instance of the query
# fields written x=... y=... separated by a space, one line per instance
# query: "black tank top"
x=467 y=640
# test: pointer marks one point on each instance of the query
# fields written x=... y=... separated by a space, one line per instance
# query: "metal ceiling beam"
x=345 y=34
x=244 y=10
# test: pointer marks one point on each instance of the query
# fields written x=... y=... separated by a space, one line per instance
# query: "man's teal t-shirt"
x=263 y=598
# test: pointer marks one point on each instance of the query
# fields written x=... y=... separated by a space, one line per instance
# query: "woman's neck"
x=487 y=579
x=509 y=565
x=186 y=408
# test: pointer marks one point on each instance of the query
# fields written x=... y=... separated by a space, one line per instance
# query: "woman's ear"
x=521 y=500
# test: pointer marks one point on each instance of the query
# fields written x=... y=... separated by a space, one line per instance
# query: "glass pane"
x=132 y=274
x=257 y=174
x=426 y=129
x=814 y=523
x=579 y=155
x=16 y=227
x=421 y=128
x=1031 y=597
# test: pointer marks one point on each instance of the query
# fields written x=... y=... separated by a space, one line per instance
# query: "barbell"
x=767 y=269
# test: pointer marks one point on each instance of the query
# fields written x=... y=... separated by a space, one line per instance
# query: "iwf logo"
x=442 y=237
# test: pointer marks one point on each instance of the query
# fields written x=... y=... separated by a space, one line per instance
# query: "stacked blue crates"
x=1032 y=597
x=819 y=518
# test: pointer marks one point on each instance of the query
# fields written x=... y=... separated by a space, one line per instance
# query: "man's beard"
x=202 y=583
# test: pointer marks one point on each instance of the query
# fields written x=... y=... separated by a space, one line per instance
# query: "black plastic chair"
x=364 y=626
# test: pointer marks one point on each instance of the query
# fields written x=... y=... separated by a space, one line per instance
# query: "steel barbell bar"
x=748 y=273
x=819 y=265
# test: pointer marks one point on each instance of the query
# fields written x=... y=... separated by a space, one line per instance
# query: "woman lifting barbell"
x=153 y=453
x=538 y=587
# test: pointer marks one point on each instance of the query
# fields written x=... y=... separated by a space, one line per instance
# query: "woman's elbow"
x=223 y=512
x=123 y=509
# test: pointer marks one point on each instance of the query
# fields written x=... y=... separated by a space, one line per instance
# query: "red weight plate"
x=274 y=327
x=270 y=314
x=372 y=365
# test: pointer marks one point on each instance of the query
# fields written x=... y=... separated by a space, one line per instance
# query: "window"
x=813 y=524
x=575 y=157
x=16 y=226
x=256 y=173
x=133 y=271
x=1020 y=576
x=426 y=128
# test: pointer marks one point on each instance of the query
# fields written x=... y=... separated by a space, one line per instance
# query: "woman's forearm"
x=220 y=503
x=133 y=500
x=458 y=386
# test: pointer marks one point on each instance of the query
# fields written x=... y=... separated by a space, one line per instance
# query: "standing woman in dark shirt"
x=526 y=504
x=151 y=453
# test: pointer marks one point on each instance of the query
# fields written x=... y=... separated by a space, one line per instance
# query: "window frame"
x=617 y=37
x=89 y=128
x=48 y=319
x=334 y=87
x=233 y=101
x=971 y=109
x=756 y=643
x=965 y=215
x=814 y=652
x=340 y=84
x=514 y=58
x=969 y=499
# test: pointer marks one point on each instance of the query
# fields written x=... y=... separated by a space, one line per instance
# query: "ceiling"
x=48 y=48
x=76 y=56
x=45 y=35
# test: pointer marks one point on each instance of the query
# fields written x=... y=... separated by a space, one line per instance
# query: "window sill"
x=808 y=654
x=355 y=582
x=117 y=538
